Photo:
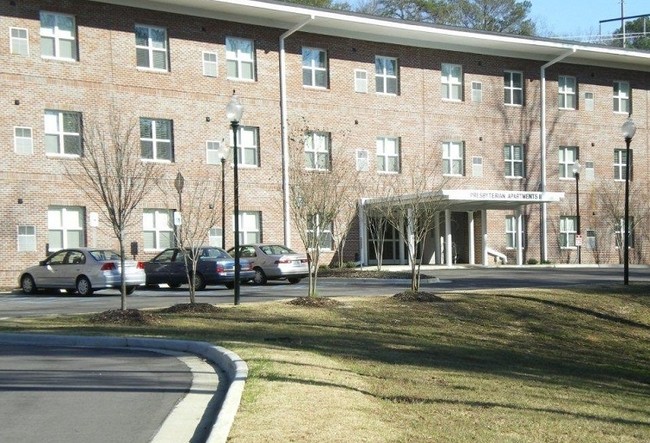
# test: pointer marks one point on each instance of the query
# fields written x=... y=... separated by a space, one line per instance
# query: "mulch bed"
x=130 y=317
x=315 y=302
x=417 y=296
x=191 y=308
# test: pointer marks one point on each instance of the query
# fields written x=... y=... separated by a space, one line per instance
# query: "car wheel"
x=130 y=290
x=294 y=280
x=84 y=288
x=27 y=284
x=199 y=282
x=260 y=277
x=230 y=285
x=174 y=285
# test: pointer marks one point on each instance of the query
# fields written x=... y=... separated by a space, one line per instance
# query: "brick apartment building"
x=506 y=118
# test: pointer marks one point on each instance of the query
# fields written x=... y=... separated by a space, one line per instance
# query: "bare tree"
x=113 y=176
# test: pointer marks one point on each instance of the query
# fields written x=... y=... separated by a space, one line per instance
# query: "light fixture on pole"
x=576 y=174
x=628 y=129
x=223 y=152
x=179 y=184
x=234 y=111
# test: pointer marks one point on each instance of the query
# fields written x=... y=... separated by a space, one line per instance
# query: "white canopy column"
x=470 y=235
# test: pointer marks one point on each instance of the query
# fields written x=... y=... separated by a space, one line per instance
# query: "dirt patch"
x=315 y=302
x=417 y=296
x=191 y=308
x=131 y=317
x=367 y=273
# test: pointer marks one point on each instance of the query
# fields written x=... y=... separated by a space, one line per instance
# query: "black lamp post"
x=234 y=111
x=179 y=183
x=576 y=174
x=223 y=154
x=628 y=129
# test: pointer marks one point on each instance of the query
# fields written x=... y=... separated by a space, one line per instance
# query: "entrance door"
x=393 y=252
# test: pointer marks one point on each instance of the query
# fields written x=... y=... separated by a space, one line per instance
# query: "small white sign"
x=177 y=218
x=93 y=219
x=578 y=240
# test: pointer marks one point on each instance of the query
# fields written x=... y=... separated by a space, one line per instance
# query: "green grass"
x=490 y=366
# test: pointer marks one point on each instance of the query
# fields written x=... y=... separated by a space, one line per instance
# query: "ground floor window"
x=26 y=238
x=65 y=227
x=568 y=231
x=250 y=224
x=323 y=231
x=157 y=229
x=511 y=233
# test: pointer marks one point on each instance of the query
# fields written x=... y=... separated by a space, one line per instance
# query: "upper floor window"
x=513 y=156
x=314 y=67
x=62 y=132
x=568 y=157
x=622 y=97
x=19 y=41
x=452 y=82
x=362 y=160
x=590 y=101
x=210 y=64
x=513 y=88
x=248 y=149
x=477 y=92
x=386 y=75
x=240 y=58
x=453 y=155
x=387 y=154
x=23 y=143
x=157 y=229
x=65 y=227
x=151 y=47
x=566 y=92
x=58 y=36
x=620 y=164
x=215 y=152
x=317 y=151
x=361 y=81
x=156 y=139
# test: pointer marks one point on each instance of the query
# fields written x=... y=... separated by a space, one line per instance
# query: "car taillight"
x=283 y=261
x=140 y=265
x=220 y=268
x=110 y=266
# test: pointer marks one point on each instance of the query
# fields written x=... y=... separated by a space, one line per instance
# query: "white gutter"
x=542 y=129
x=285 y=133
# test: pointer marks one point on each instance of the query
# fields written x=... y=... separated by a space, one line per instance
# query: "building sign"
x=510 y=196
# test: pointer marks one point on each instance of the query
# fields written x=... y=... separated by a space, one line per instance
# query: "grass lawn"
x=491 y=366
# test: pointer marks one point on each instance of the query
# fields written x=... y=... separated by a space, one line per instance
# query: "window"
x=566 y=92
x=240 y=58
x=19 y=41
x=362 y=160
x=23 y=143
x=477 y=92
x=317 y=151
x=210 y=64
x=386 y=75
x=620 y=164
x=151 y=47
x=568 y=157
x=387 y=154
x=314 y=67
x=452 y=82
x=568 y=226
x=247 y=146
x=65 y=227
x=591 y=239
x=249 y=227
x=62 y=132
x=215 y=237
x=511 y=232
x=477 y=166
x=156 y=139
x=58 y=36
x=620 y=233
x=213 y=151
x=360 y=81
x=589 y=101
x=622 y=97
x=513 y=88
x=157 y=229
x=323 y=232
x=513 y=156
x=26 y=238
x=589 y=171
x=453 y=154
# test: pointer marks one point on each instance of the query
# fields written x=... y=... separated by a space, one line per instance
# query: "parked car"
x=274 y=262
x=82 y=270
x=213 y=267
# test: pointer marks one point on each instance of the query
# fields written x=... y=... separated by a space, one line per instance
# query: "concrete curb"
x=230 y=363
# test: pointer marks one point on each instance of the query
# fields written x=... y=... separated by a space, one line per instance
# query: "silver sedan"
x=274 y=262
x=82 y=270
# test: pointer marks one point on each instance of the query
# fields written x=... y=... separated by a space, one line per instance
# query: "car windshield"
x=104 y=254
x=276 y=250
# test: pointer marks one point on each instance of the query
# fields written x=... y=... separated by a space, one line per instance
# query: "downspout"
x=285 y=133
x=542 y=126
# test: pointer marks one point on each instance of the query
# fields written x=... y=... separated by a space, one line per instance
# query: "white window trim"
x=158 y=230
x=452 y=159
x=213 y=152
x=566 y=234
x=29 y=238
x=620 y=165
x=30 y=138
x=385 y=77
x=314 y=69
x=510 y=87
x=243 y=147
x=246 y=229
x=382 y=153
x=451 y=82
x=45 y=33
x=477 y=87
x=155 y=140
x=314 y=151
x=151 y=49
x=13 y=40
x=327 y=230
x=61 y=133
x=362 y=160
x=566 y=93
x=64 y=227
x=567 y=164
x=622 y=98
x=240 y=58
x=513 y=162
x=361 y=85
x=207 y=63
x=511 y=233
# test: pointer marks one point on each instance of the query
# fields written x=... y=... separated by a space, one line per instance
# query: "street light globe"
x=628 y=128
x=234 y=109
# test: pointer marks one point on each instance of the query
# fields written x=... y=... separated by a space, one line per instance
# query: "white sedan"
x=82 y=270
x=274 y=262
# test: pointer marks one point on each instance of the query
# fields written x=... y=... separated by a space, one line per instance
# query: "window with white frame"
x=62 y=132
x=58 y=36
x=361 y=81
x=513 y=156
x=513 y=88
x=511 y=232
x=156 y=139
x=362 y=160
x=317 y=151
x=453 y=155
x=151 y=47
x=215 y=237
x=19 y=41
x=386 y=75
x=591 y=239
x=65 y=227
x=452 y=82
x=210 y=64
x=26 y=238
x=387 y=154
x=23 y=142
x=314 y=67
x=213 y=152
x=157 y=229
x=619 y=233
x=477 y=92
x=240 y=58
x=622 y=97
x=566 y=92
x=248 y=149
x=322 y=230
x=568 y=157
x=590 y=101
x=620 y=164
x=250 y=227
x=568 y=231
